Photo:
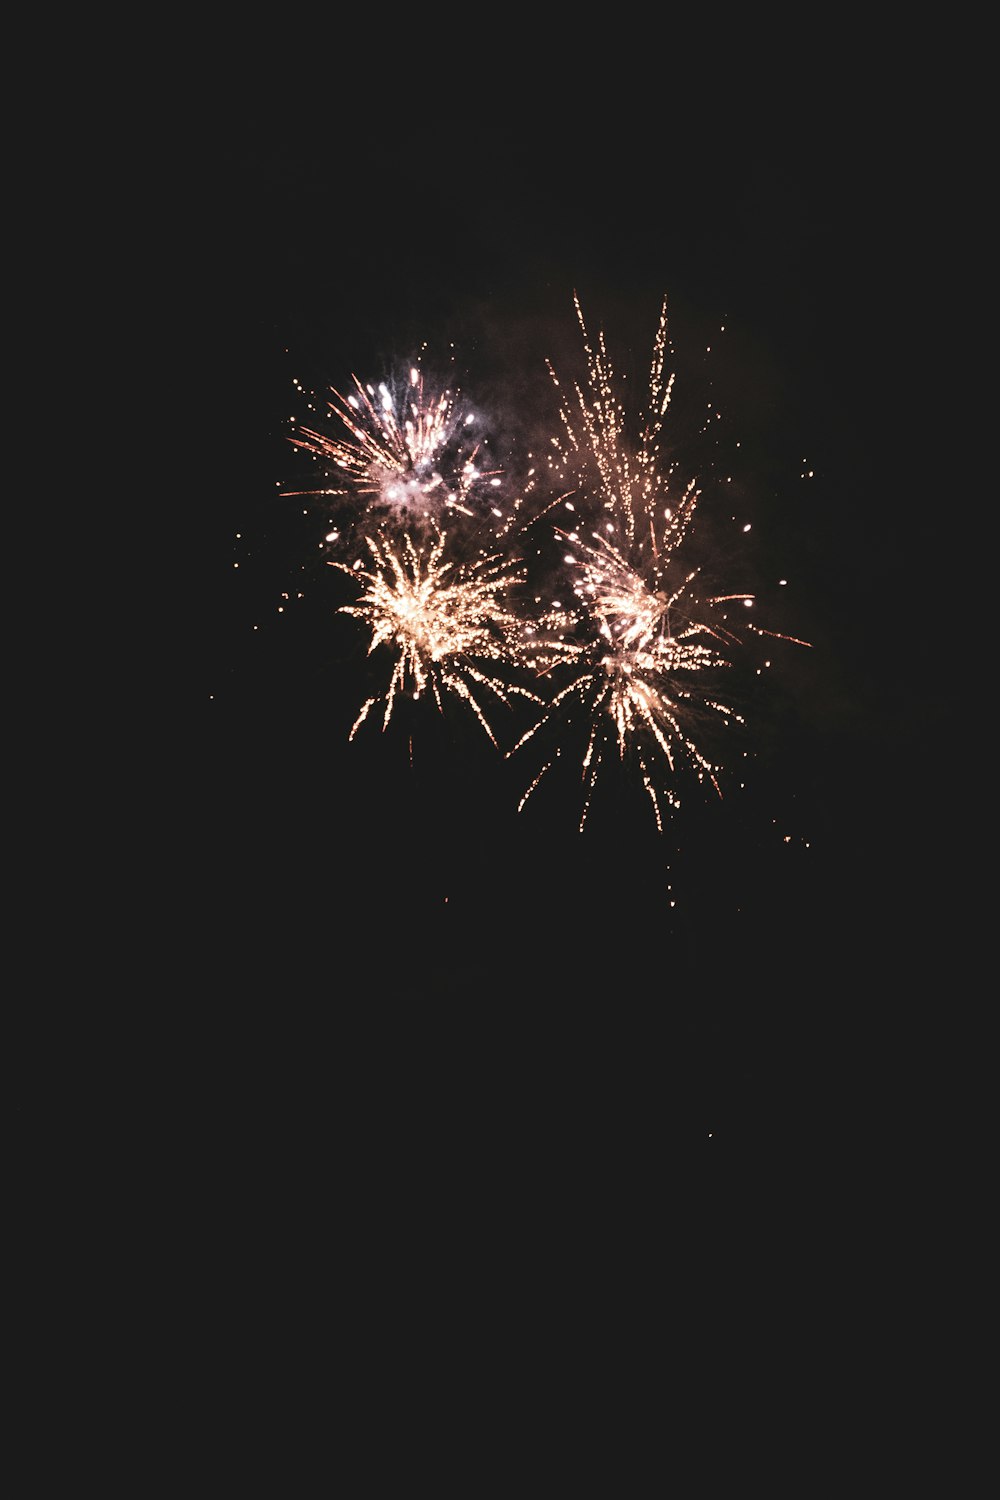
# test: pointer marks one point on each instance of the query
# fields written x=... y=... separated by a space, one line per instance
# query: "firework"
x=642 y=633
x=451 y=627
x=634 y=674
x=403 y=455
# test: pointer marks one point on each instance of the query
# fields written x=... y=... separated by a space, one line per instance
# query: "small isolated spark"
x=450 y=626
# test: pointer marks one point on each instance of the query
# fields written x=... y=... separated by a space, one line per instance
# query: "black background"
x=399 y=911
x=340 y=946
x=349 y=1025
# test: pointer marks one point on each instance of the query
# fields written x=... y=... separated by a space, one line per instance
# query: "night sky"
x=392 y=933
x=330 y=1072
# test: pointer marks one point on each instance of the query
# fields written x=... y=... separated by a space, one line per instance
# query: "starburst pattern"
x=450 y=627
x=635 y=672
x=410 y=455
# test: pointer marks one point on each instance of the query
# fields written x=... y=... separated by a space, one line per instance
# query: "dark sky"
x=389 y=909
x=323 y=1052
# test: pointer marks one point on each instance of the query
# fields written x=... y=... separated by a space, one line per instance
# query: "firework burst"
x=451 y=627
x=404 y=455
x=643 y=633
x=634 y=674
